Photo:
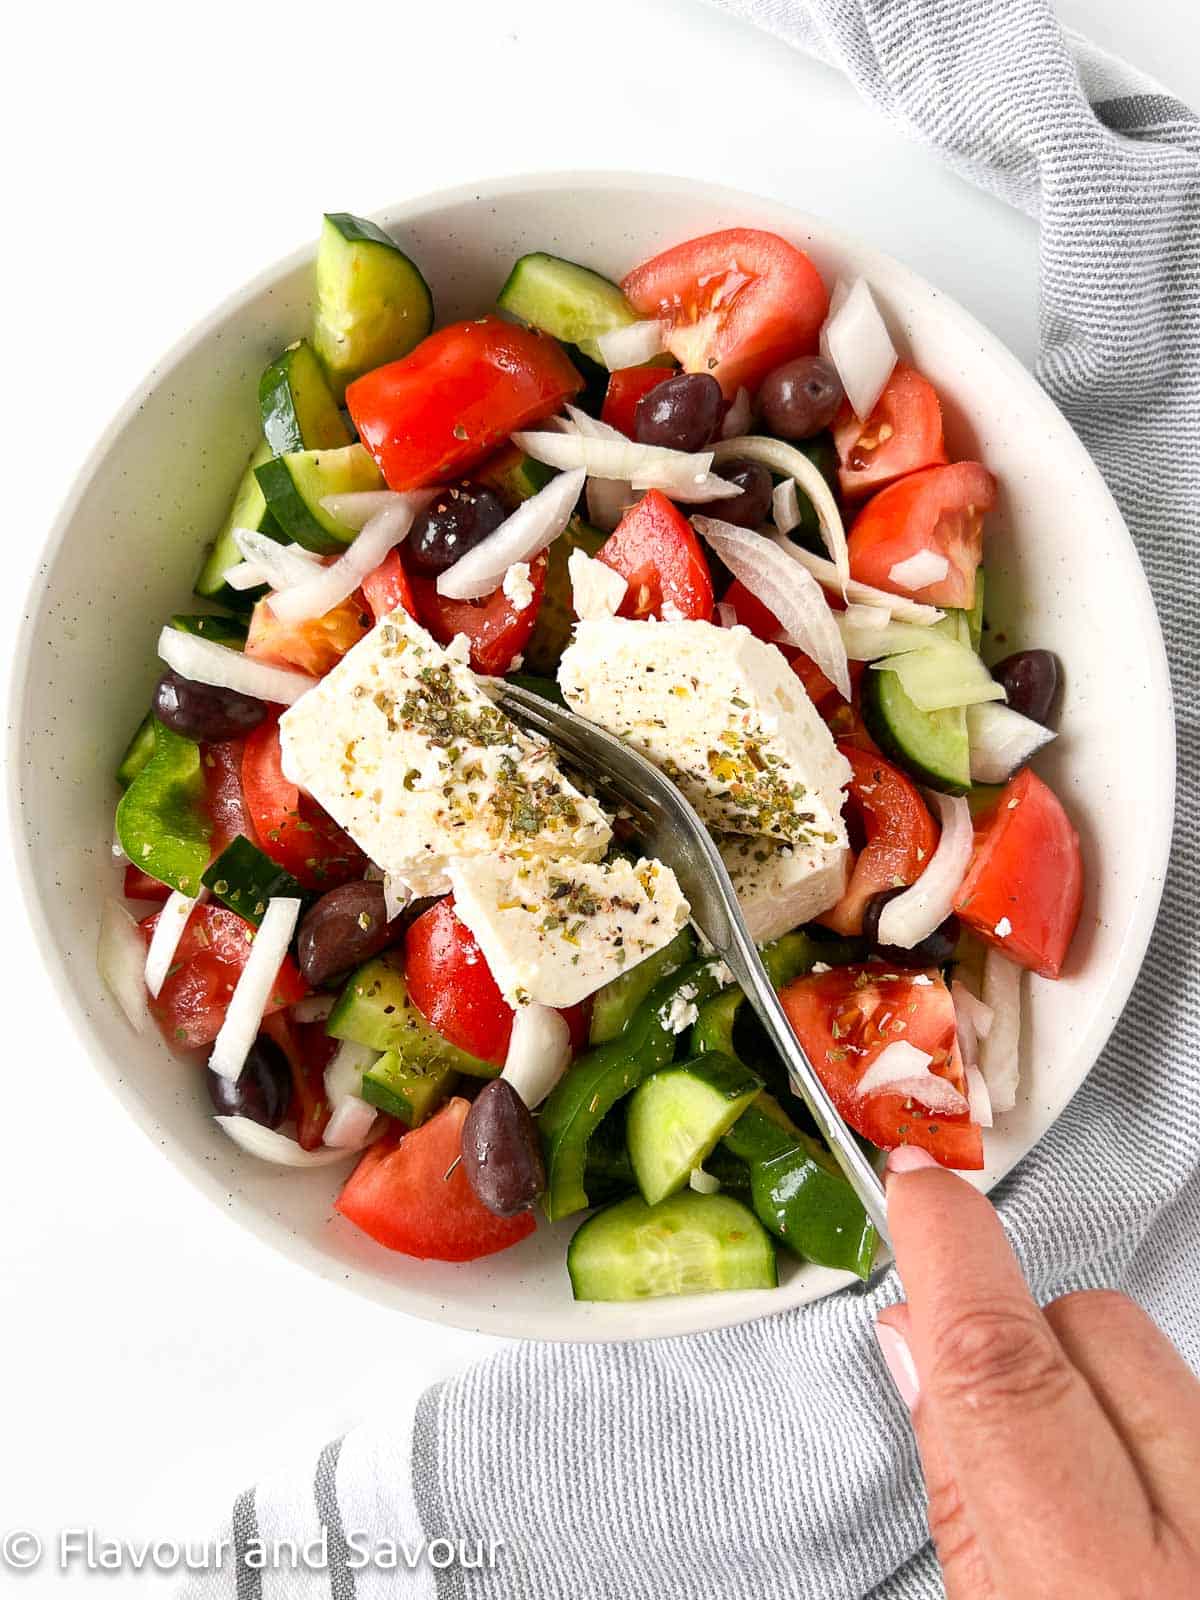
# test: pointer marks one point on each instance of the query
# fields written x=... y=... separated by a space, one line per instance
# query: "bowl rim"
x=186 y=1161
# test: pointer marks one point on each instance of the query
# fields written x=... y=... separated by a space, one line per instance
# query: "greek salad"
x=712 y=509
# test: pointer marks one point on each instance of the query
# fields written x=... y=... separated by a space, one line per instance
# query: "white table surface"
x=155 y=1358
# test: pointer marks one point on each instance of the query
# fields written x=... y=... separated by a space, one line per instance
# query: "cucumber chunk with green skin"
x=408 y=1091
x=137 y=752
x=374 y=1009
x=730 y=1172
x=616 y=1002
x=246 y=880
x=562 y=298
x=373 y=305
x=297 y=406
x=249 y=510
x=295 y=485
x=689 y=1244
x=932 y=746
x=678 y=1114
x=229 y=631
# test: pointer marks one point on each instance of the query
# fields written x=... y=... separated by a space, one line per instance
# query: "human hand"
x=1061 y=1448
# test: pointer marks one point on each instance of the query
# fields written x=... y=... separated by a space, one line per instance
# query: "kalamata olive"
x=263 y=1089
x=1030 y=679
x=202 y=711
x=455 y=522
x=346 y=927
x=501 y=1154
x=681 y=412
x=801 y=397
x=752 y=506
x=934 y=950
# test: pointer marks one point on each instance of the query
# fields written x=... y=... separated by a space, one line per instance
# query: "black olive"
x=682 y=412
x=750 y=508
x=934 y=950
x=800 y=398
x=454 y=522
x=346 y=927
x=263 y=1089
x=204 y=712
x=501 y=1154
x=1030 y=679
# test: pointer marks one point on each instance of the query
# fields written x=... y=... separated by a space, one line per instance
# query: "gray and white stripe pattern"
x=774 y=1459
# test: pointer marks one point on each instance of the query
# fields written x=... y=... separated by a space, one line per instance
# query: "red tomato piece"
x=655 y=550
x=902 y=434
x=847 y=1017
x=845 y=722
x=290 y=827
x=140 y=885
x=191 y=1004
x=315 y=645
x=414 y=1196
x=939 y=510
x=388 y=587
x=309 y=1050
x=737 y=303
x=224 y=799
x=459 y=394
x=885 y=809
x=497 y=631
x=1027 y=872
x=625 y=388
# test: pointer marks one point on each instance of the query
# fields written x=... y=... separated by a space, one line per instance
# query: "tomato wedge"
x=655 y=550
x=388 y=587
x=736 y=303
x=309 y=1050
x=459 y=394
x=496 y=631
x=140 y=885
x=1024 y=888
x=192 y=1002
x=414 y=1196
x=625 y=388
x=225 y=802
x=315 y=645
x=902 y=435
x=847 y=1017
x=290 y=826
x=885 y=809
x=939 y=510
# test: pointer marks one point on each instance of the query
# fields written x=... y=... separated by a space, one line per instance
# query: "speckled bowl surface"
x=125 y=549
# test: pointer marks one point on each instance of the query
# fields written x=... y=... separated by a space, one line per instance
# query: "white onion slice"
x=632 y=345
x=968 y=1039
x=536 y=523
x=1001 y=741
x=785 y=505
x=204 y=661
x=900 y=1068
x=314 y=1007
x=646 y=466
x=879 y=636
x=979 y=1101
x=252 y=994
x=965 y=1002
x=396 y=893
x=596 y=589
x=121 y=963
x=856 y=340
x=281 y=565
x=913 y=915
x=356 y=509
x=344 y=1074
x=826 y=574
x=792 y=463
x=796 y=602
x=350 y=1125
x=244 y=575
x=168 y=931
x=703 y=1182
x=919 y=570
x=331 y=585
x=868 y=618
x=726 y=615
x=591 y=427
x=837 y=299
x=268 y=1145
x=1000 y=1052
x=538 y=1052
x=739 y=416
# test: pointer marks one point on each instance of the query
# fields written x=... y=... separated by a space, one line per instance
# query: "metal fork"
x=672 y=832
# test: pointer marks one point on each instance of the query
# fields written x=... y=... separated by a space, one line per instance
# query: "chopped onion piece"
x=1001 y=740
x=244 y=575
x=785 y=505
x=252 y=994
x=973 y=1006
x=268 y=1145
x=204 y=661
x=866 y=617
x=592 y=427
x=596 y=588
x=739 y=416
x=796 y=602
x=913 y=915
x=350 y=1124
x=647 y=466
x=168 y=931
x=344 y=1074
x=703 y=1182
x=631 y=346
x=900 y=1068
x=726 y=615
x=978 y=1099
x=942 y=676
x=920 y=570
x=355 y=510
x=314 y=1007
x=396 y=894
x=121 y=963
x=538 y=1052
x=837 y=299
x=1000 y=1052
x=331 y=585
x=281 y=565
x=792 y=463
x=968 y=1039
x=856 y=340
x=879 y=636
x=536 y=523
x=826 y=574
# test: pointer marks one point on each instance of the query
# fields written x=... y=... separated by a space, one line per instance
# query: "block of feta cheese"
x=553 y=931
x=722 y=714
x=779 y=886
x=405 y=750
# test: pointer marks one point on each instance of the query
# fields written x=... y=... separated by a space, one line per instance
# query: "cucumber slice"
x=246 y=880
x=294 y=486
x=296 y=405
x=249 y=510
x=374 y=1009
x=562 y=298
x=616 y=1002
x=689 y=1244
x=678 y=1114
x=373 y=305
x=931 y=745
x=137 y=752
x=409 y=1091
x=229 y=631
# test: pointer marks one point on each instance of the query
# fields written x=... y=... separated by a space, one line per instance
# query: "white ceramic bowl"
x=1062 y=572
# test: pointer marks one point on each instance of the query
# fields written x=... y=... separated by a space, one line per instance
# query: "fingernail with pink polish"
x=908 y=1158
x=900 y=1364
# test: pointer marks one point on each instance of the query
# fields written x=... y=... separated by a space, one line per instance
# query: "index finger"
x=1017 y=1422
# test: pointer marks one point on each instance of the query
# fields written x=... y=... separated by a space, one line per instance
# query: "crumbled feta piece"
x=403 y=748
x=596 y=589
x=818 y=967
x=670 y=612
x=779 y=886
x=721 y=973
x=682 y=1011
x=459 y=649
x=554 y=931
x=703 y=1182
x=924 y=980
x=722 y=714
x=517 y=587
x=1003 y=928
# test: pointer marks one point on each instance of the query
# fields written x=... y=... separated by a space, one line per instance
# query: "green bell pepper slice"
x=162 y=824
